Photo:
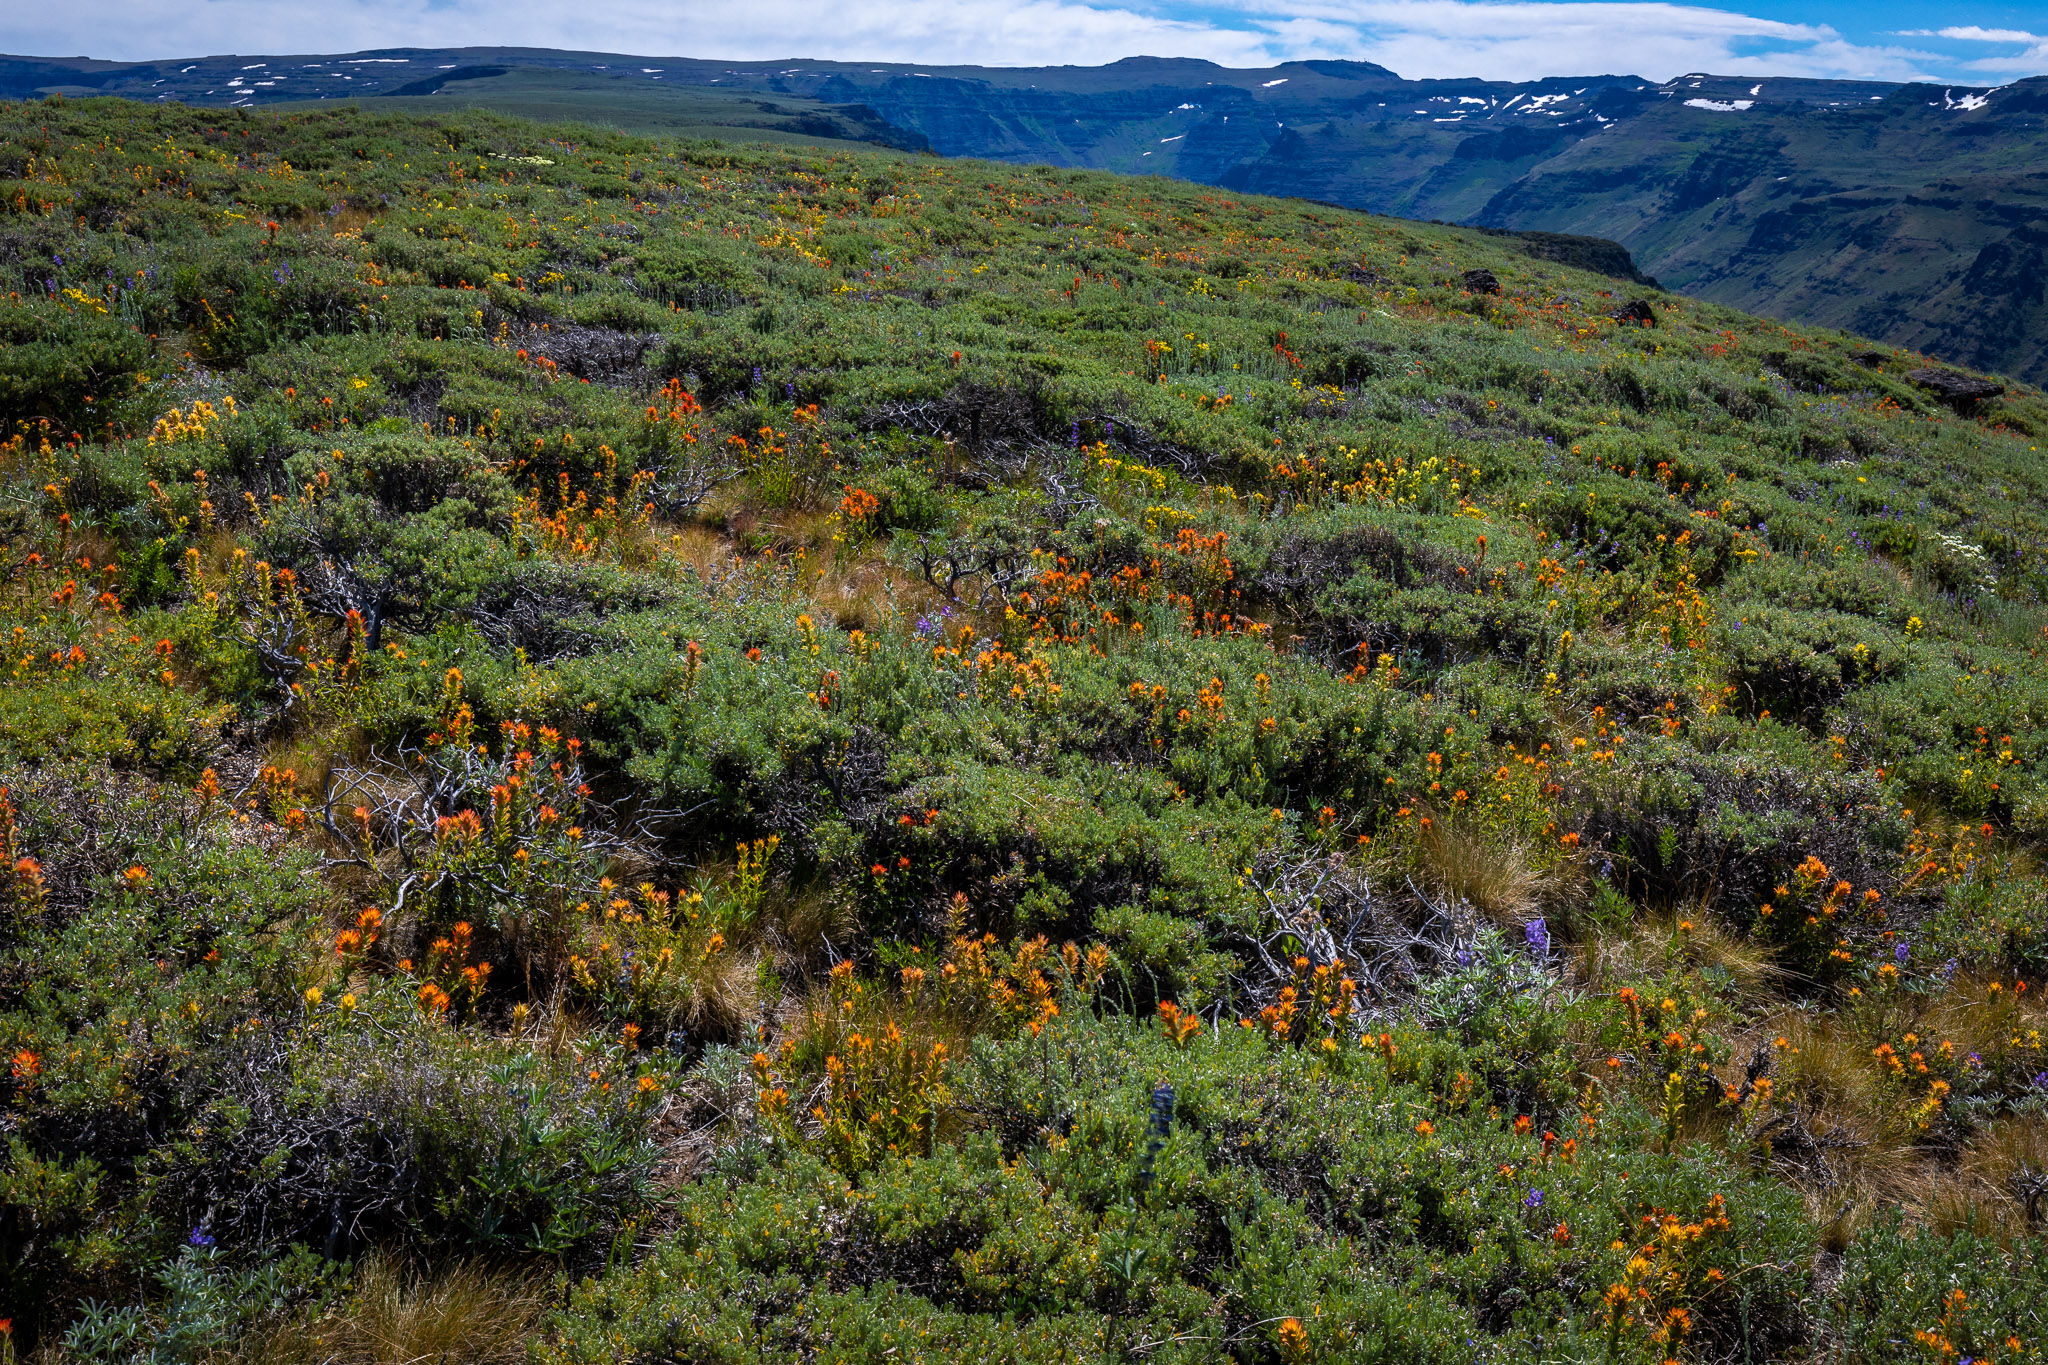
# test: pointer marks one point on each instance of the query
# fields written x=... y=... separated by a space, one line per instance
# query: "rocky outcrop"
x=1963 y=392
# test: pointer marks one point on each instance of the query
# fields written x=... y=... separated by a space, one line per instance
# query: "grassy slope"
x=632 y=104
x=1600 y=766
x=1906 y=213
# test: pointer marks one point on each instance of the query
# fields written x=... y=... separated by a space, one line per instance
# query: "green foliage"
x=1286 y=1182
x=205 y=1304
x=1907 y=1293
x=985 y=645
x=393 y=528
x=68 y=362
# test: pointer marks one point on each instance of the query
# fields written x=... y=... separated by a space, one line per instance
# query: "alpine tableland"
x=622 y=748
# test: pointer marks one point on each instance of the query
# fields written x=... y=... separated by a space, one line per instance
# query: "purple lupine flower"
x=199 y=1238
x=1077 y=435
x=1537 y=935
x=1901 y=951
x=1534 y=1201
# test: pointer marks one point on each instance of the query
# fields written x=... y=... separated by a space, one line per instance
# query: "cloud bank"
x=1497 y=39
x=2031 y=60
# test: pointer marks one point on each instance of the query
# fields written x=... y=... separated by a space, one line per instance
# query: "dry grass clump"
x=1687 y=937
x=1978 y=1018
x=1844 y=1130
x=2001 y=1186
x=799 y=926
x=861 y=595
x=1850 y=1131
x=1997 y=1189
x=1705 y=942
x=701 y=551
x=461 y=1315
x=722 y=992
x=1495 y=876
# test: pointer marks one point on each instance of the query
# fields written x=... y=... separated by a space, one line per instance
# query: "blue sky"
x=1962 y=42
x=2023 y=27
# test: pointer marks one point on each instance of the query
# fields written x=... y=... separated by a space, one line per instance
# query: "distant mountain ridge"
x=1916 y=214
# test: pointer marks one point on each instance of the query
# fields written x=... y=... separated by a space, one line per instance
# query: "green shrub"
x=67 y=361
x=1908 y=1292
x=361 y=1125
x=1798 y=665
x=393 y=529
x=1264 y=1200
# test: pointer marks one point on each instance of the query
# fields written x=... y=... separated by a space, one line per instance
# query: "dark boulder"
x=1481 y=282
x=1871 y=360
x=1960 y=391
x=1637 y=311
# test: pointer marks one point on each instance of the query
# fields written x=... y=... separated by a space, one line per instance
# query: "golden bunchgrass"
x=466 y=1313
x=1494 y=875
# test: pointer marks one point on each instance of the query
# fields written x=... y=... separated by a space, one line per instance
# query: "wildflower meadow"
x=619 y=748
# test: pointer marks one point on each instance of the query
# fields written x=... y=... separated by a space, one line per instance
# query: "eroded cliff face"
x=1921 y=218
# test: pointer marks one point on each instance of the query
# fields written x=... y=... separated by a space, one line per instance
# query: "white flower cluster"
x=1972 y=555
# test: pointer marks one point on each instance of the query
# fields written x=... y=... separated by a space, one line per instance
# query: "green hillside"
x=1914 y=215
x=630 y=102
x=621 y=748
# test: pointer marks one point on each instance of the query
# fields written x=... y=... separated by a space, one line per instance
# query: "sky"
x=1959 y=42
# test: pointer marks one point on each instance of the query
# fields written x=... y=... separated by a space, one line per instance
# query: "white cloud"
x=1498 y=39
x=1970 y=33
x=989 y=32
x=2032 y=62
x=1518 y=39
